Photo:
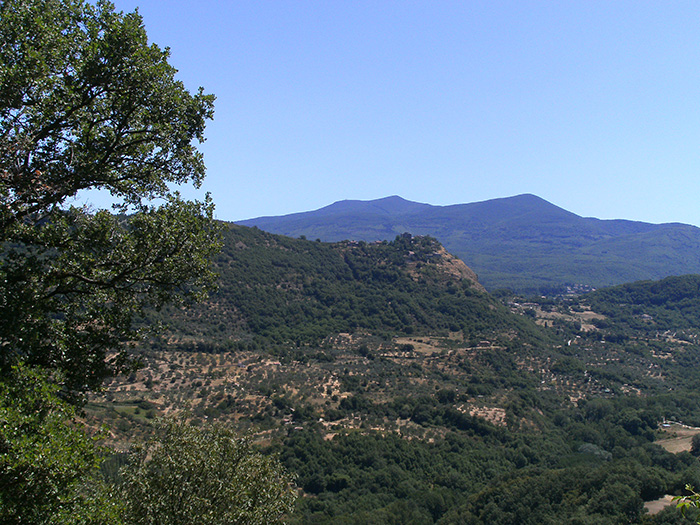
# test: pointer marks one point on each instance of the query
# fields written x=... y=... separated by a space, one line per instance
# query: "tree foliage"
x=87 y=103
x=208 y=475
x=689 y=501
x=44 y=456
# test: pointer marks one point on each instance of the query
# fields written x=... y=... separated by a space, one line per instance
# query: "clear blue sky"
x=591 y=105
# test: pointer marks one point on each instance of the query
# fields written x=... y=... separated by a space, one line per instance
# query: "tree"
x=206 y=475
x=695 y=445
x=87 y=103
x=691 y=501
x=44 y=455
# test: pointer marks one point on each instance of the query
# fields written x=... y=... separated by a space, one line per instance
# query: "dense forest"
x=277 y=290
x=397 y=391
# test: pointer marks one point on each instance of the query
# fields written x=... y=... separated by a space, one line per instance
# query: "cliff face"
x=457 y=268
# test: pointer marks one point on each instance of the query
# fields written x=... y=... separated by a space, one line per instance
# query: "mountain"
x=523 y=242
x=345 y=220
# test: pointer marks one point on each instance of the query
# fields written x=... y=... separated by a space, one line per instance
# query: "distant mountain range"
x=523 y=242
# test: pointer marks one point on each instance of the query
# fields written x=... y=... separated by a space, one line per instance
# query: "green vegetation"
x=292 y=293
x=379 y=378
x=44 y=457
x=545 y=413
x=691 y=501
x=86 y=103
x=670 y=304
x=207 y=475
x=520 y=411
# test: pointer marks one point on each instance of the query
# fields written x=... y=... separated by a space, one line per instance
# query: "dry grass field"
x=678 y=438
x=656 y=506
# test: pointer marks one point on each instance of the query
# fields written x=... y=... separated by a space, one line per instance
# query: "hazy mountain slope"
x=345 y=220
x=522 y=242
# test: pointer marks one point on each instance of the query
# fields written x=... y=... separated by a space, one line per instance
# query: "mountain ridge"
x=521 y=242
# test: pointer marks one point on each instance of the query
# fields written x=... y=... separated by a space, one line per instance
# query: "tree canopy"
x=206 y=475
x=87 y=103
x=43 y=458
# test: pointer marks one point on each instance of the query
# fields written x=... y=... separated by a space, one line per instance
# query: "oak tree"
x=86 y=102
x=207 y=475
x=43 y=457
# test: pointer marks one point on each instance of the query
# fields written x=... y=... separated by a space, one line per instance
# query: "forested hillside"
x=670 y=304
x=523 y=242
x=397 y=391
x=274 y=290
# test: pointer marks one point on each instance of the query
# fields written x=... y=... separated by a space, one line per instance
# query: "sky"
x=591 y=105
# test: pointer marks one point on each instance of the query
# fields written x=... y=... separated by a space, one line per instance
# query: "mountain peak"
x=392 y=205
x=525 y=203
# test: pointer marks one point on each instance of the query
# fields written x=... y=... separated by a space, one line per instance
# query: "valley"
x=394 y=388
